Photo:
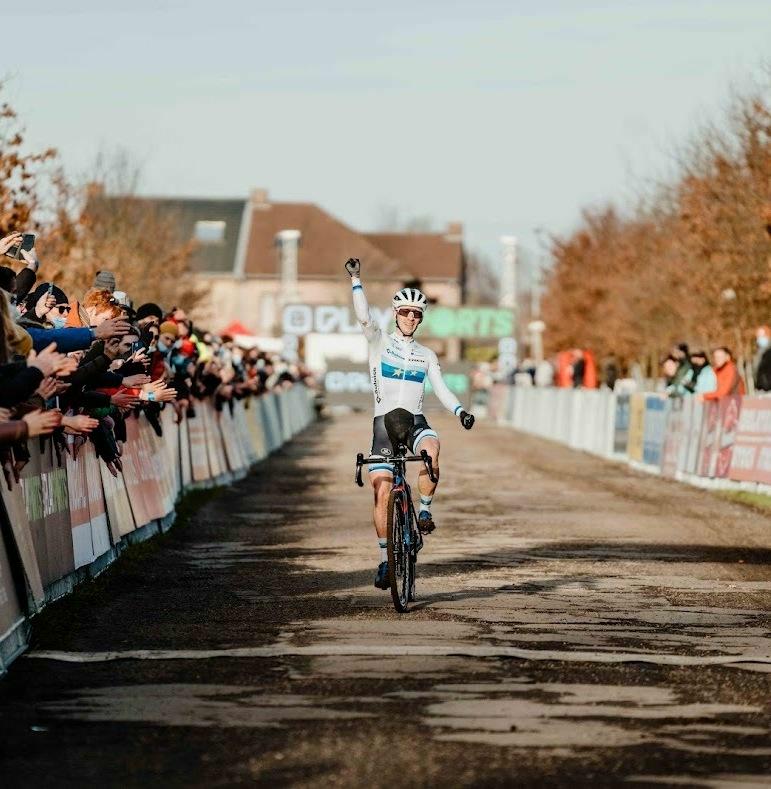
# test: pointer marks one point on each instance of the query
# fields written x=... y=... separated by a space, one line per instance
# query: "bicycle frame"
x=412 y=540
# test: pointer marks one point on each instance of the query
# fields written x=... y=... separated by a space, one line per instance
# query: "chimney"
x=507 y=296
x=258 y=199
x=454 y=232
x=288 y=243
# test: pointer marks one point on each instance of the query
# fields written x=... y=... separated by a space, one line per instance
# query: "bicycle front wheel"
x=399 y=564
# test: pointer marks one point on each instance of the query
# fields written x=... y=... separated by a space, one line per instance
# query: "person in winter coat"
x=729 y=381
x=762 y=361
x=703 y=377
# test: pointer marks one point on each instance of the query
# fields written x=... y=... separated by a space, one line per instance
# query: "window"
x=209 y=231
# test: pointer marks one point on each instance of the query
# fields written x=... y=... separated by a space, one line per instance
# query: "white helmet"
x=410 y=297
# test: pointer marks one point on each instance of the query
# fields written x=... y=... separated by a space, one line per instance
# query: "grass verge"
x=757 y=501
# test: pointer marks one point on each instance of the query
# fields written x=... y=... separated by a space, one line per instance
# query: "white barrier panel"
x=583 y=419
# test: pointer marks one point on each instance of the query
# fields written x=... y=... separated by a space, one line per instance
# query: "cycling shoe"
x=381 y=579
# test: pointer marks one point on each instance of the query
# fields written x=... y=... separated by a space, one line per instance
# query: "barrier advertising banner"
x=233 y=451
x=170 y=444
x=199 y=457
x=185 y=456
x=133 y=475
x=655 y=423
x=217 y=463
x=101 y=537
x=696 y=417
x=119 y=512
x=708 y=442
x=47 y=501
x=80 y=518
x=10 y=606
x=69 y=512
x=16 y=510
x=728 y=416
x=676 y=436
x=636 y=427
x=621 y=424
x=751 y=458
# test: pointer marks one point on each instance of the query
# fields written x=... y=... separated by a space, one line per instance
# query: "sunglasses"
x=63 y=309
x=408 y=313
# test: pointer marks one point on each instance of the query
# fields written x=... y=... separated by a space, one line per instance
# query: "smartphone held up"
x=26 y=244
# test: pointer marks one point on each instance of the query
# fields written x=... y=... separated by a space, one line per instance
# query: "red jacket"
x=729 y=382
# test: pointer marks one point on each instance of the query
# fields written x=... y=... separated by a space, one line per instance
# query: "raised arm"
x=360 y=306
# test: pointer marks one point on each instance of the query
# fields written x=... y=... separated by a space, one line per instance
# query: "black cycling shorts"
x=381 y=444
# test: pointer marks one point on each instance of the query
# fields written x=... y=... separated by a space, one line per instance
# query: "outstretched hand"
x=353 y=267
x=466 y=419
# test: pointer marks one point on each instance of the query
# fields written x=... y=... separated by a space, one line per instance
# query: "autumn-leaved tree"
x=103 y=224
x=21 y=174
x=690 y=262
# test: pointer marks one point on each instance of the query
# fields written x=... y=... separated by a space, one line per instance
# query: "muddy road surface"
x=578 y=624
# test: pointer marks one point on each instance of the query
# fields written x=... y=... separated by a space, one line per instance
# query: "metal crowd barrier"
x=723 y=444
x=67 y=520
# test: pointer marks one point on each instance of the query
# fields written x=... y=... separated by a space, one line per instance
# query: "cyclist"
x=398 y=368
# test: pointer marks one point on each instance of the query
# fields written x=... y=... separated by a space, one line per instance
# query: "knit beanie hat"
x=105 y=280
x=149 y=310
x=169 y=327
x=41 y=290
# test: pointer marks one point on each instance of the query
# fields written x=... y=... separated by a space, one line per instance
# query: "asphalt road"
x=578 y=624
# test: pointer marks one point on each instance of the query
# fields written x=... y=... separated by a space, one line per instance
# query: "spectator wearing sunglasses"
x=45 y=313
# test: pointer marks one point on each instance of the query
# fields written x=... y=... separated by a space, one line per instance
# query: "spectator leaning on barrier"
x=703 y=377
x=81 y=368
x=677 y=386
x=762 y=361
x=683 y=373
x=668 y=370
x=729 y=382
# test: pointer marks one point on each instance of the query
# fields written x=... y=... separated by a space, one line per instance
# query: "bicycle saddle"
x=398 y=425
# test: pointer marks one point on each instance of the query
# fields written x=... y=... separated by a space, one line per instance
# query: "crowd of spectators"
x=689 y=372
x=684 y=372
x=80 y=365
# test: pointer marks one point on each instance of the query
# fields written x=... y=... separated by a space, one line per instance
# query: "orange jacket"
x=729 y=382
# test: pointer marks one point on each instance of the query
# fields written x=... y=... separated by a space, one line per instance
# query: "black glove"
x=353 y=267
x=466 y=419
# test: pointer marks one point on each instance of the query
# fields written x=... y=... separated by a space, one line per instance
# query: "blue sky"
x=507 y=116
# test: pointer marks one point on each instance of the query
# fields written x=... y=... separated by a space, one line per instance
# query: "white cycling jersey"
x=399 y=366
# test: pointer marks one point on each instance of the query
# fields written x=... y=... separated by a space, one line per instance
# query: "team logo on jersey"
x=385 y=451
x=401 y=373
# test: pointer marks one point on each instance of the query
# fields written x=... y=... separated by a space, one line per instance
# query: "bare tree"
x=390 y=219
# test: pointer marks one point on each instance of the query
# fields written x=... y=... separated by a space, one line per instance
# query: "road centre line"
x=390 y=650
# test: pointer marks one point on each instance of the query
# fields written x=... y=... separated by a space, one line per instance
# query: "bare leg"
x=381 y=487
x=425 y=485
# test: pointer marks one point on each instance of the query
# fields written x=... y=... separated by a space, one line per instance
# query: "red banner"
x=751 y=459
x=710 y=435
x=730 y=408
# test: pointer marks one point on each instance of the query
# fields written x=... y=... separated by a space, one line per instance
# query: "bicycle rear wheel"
x=399 y=564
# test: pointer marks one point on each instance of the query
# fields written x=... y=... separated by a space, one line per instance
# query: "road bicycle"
x=404 y=537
